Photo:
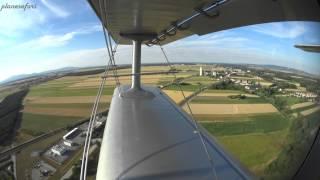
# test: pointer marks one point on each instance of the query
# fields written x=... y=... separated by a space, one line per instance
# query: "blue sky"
x=63 y=33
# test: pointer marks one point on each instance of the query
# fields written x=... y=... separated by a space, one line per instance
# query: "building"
x=58 y=150
x=68 y=143
x=201 y=71
x=71 y=134
x=214 y=74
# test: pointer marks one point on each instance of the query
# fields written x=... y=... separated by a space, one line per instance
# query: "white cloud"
x=57 y=40
x=212 y=40
x=58 y=11
x=281 y=30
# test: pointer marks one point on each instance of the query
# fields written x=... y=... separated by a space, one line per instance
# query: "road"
x=31 y=141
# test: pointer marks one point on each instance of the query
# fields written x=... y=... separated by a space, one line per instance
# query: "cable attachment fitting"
x=181 y=27
x=201 y=10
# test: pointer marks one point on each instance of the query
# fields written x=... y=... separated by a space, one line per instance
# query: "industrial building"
x=71 y=134
x=68 y=143
x=58 y=150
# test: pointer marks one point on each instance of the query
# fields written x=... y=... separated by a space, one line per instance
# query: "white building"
x=70 y=134
x=68 y=143
x=214 y=74
x=58 y=150
x=201 y=71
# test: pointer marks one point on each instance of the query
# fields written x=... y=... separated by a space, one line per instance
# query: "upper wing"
x=309 y=47
x=156 y=16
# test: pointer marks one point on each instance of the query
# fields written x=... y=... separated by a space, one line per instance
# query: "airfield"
x=253 y=129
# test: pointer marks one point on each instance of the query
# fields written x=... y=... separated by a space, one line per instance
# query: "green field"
x=254 y=150
x=264 y=123
x=226 y=100
x=35 y=124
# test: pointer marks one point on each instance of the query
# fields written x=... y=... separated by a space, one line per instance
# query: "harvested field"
x=176 y=96
x=232 y=108
x=301 y=105
x=266 y=83
x=66 y=100
x=310 y=111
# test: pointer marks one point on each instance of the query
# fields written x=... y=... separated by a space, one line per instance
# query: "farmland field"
x=66 y=100
x=245 y=126
x=251 y=127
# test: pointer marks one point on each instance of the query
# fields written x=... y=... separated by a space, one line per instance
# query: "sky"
x=52 y=34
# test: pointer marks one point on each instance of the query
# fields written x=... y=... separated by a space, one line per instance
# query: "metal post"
x=136 y=65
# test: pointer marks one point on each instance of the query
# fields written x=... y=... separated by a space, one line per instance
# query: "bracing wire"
x=111 y=64
x=91 y=124
x=108 y=38
x=192 y=116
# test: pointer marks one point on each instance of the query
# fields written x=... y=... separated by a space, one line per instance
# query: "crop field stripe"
x=226 y=100
x=235 y=117
x=71 y=112
x=232 y=108
x=65 y=99
x=69 y=92
x=67 y=105
x=223 y=91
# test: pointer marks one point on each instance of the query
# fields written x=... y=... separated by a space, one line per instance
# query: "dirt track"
x=310 y=111
x=301 y=105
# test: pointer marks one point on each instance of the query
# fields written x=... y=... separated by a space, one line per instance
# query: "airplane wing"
x=151 y=138
x=158 y=16
x=309 y=47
